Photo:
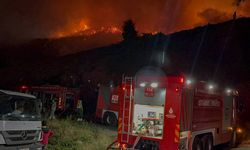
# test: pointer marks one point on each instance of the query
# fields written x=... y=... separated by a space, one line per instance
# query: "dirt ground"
x=245 y=145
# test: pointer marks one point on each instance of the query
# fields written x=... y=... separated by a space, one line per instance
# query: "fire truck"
x=20 y=121
x=170 y=112
x=66 y=98
x=108 y=105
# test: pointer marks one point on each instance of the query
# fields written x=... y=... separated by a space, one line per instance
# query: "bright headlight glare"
x=142 y=84
x=188 y=82
x=239 y=130
x=228 y=91
x=154 y=85
x=210 y=87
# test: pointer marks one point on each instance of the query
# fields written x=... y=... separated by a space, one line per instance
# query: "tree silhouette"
x=129 y=31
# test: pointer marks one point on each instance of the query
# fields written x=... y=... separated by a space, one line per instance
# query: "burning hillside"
x=25 y=20
x=83 y=29
x=84 y=40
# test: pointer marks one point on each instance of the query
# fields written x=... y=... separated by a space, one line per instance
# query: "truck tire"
x=207 y=142
x=233 y=141
x=109 y=119
x=197 y=144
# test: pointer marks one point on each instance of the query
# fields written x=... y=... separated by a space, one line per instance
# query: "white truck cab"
x=20 y=121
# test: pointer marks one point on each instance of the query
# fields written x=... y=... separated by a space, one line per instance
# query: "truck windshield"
x=17 y=108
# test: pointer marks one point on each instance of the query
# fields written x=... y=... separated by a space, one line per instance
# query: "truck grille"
x=20 y=136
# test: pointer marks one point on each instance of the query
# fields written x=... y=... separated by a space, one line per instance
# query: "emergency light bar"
x=153 y=84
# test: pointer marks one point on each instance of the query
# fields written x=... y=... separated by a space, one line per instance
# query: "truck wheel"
x=110 y=119
x=207 y=142
x=197 y=144
x=233 y=142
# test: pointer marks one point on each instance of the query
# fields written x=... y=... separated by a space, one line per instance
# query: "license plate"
x=24 y=149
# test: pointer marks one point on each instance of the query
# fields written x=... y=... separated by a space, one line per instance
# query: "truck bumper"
x=36 y=146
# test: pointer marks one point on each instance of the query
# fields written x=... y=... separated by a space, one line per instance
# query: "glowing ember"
x=83 y=26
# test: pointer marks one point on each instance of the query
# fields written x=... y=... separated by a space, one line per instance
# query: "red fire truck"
x=159 y=112
x=108 y=105
x=66 y=97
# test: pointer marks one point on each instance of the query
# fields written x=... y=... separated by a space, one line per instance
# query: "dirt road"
x=244 y=146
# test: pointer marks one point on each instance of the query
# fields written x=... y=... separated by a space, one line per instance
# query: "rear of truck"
x=160 y=112
x=149 y=115
x=20 y=121
x=108 y=105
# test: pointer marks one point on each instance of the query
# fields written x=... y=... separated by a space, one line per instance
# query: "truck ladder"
x=127 y=106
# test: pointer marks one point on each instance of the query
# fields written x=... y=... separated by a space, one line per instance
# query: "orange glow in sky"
x=58 y=18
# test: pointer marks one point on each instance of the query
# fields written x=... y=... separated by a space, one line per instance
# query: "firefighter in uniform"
x=53 y=108
x=79 y=110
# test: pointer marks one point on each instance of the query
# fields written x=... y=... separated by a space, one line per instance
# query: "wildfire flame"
x=82 y=28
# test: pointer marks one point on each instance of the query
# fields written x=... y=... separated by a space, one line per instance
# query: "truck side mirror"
x=241 y=107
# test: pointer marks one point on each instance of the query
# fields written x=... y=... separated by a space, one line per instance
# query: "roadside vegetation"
x=71 y=135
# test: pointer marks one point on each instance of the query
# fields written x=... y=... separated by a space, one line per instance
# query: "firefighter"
x=46 y=134
x=52 y=108
x=79 y=110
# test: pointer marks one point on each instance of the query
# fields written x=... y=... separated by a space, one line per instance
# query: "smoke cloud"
x=211 y=15
x=27 y=19
x=244 y=8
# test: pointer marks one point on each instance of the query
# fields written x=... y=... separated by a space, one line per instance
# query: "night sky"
x=27 y=19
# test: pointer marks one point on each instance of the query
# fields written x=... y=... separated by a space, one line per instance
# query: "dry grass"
x=71 y=135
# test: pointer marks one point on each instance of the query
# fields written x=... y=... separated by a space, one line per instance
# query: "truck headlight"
x=239 y=130
x=2 y=141
x=230 y=129
x=40 y=137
